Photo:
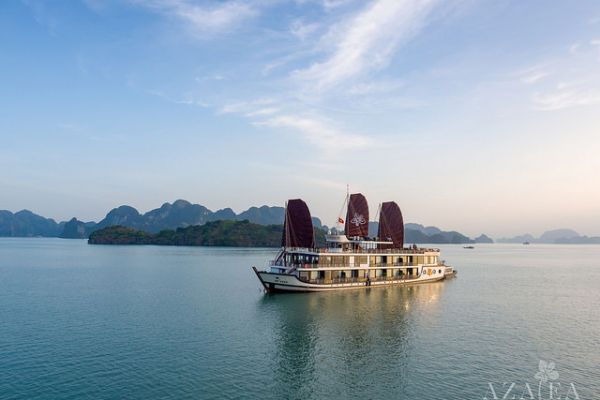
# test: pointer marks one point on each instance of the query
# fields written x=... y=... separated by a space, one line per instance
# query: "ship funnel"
x=357 y=217
x=391 y=225
x=298 y=227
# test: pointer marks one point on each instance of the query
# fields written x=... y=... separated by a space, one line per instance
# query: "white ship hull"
x=281 y=282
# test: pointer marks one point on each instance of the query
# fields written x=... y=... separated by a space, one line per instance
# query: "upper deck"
x=345 y=253
x=340 y=244
x=335 y=251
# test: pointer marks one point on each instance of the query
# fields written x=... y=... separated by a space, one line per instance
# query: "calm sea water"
x=145 y=322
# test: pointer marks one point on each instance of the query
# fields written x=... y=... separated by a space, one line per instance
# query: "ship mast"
x=339 y=226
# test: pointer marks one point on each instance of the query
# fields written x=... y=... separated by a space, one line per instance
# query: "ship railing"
x=346 y=266
x=359 y=279
x=363 y=251
x=394 y=277
x=334 y=280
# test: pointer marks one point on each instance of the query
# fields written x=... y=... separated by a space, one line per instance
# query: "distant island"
x=556 y=236
x=215 y=233
x=182 y=214
x=179 y=214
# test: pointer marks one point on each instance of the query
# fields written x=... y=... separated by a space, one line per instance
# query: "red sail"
x=391 y=225
x=357 y=218
x=298 y=227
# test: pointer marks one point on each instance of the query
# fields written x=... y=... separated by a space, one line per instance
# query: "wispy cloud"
x=328 y=5
x=302 y=30
x=204 y=19
x=248 y=107
x=569 y=81
x=214 y=77
x=262 y=112
x=319 y=133
x=367 y=40
x=565 y=98
x=359 y=43
x=375 y=87
x=331 y=4
x=188 y=99
x=41 y=14
x=534 y=76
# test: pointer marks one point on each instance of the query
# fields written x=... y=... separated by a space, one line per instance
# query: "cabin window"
x=321 y=274
x=325 y=260
x=355 y=273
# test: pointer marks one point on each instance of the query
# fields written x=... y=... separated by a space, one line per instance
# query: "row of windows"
x=359 y=260
x=341 y=274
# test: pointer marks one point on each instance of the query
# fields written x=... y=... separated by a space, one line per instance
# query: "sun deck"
x=303 y=258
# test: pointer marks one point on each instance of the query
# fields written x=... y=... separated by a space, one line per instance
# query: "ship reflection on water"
x=347 y=342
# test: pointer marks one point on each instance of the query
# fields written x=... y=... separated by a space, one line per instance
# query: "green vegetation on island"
x=214 y=233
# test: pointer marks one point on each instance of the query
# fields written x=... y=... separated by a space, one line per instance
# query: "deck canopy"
x=357 y=217
x=391 y=225
x=298 y=227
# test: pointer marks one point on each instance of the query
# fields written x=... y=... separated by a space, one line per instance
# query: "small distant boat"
x=349 y=259
x=526 y=243
x=468 y=247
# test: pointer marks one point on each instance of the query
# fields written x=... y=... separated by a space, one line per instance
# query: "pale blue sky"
x=475 y=116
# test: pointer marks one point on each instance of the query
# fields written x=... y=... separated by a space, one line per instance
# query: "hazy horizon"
x=475 y=117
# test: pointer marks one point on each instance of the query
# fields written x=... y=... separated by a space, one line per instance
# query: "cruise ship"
x=349 y=259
